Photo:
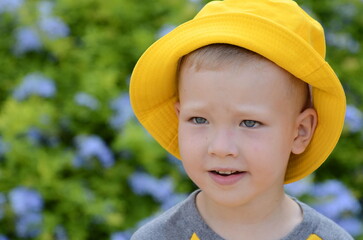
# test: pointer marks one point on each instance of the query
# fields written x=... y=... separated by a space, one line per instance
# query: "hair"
x=219 y=55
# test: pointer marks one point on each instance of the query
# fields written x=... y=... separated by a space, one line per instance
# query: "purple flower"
x=26 y=40
x=122 y=111
x=144 y=184
x=24 y=200
x=3 y=237
x=92 y=146
x=353 y=119
x=121 y=235
x=53 y=27
x=29 y=225
x=86 y=100
x=10 y=5
x=35 y=84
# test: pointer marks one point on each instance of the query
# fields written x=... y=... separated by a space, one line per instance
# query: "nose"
x=223 y=144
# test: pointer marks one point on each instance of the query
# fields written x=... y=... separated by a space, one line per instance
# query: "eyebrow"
x=243 y=110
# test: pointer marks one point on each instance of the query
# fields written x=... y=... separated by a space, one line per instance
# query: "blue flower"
x=172 y=201
x=2 y=205
x=24 y=200
x=122 y=111
x=144 y=184
x=121 y=235
x=53 y=27
x=45 y=8
x=4 y=147
x=346 y=11
x=343 y=41
x=37 y=137
x=165 y=30
x=26 y=40
x=35 y=84
x=351 y=225
x=173 y=160
x=353 y=119
x=29 y=225
x=86 y=100
x=92 y=146
x=299 y=188
x=336 y=202
x=335 y=195
x=3 y=237
x=10 y=5
x=27 y=204
x=60 y=233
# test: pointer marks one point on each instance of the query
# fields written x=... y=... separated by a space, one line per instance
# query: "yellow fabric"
x=314 y=237
x=279 y=30
x=194 y=237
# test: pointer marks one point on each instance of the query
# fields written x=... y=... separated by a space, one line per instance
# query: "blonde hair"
x=219 y=55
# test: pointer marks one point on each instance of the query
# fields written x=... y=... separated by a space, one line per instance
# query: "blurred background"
x=75 y=163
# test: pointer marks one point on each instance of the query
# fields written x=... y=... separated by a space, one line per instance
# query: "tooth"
x=225 y=172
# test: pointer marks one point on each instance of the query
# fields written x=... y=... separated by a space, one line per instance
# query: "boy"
x=243 y=96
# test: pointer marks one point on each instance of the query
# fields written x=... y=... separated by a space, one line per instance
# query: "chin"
x=229 y=199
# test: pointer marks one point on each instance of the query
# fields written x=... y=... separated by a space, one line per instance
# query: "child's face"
x=242 y=121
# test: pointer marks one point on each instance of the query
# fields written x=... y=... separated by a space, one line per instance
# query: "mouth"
x=226 y=173
x=226 y=177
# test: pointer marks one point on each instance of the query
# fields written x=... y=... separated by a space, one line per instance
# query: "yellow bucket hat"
x=276 y=29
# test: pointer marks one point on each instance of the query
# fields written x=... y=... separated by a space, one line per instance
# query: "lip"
x=226 y=180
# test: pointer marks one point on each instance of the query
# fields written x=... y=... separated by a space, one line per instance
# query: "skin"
x=231 y=120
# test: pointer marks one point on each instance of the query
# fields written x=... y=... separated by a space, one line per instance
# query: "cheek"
x=268 y=155
x=189 y=135
x=189 y=142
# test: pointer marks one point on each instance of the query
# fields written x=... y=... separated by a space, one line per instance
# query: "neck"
x=273 y=216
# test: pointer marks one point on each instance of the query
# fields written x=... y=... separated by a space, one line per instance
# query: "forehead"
x=258 y=74
x=223 y=56
x=256 y=83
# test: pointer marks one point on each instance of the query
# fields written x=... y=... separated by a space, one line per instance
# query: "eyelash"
x=244 y=123
x=254 y=124
x=195 y=120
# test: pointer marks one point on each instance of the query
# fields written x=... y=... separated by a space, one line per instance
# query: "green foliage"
x=42 y=133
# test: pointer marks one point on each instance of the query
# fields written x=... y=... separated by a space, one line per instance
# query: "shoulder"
x=323 y=226
x=171 y=224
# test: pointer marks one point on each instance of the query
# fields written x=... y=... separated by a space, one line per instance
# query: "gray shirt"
x=181 y=221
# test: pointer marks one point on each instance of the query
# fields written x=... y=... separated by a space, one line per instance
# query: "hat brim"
x=153 y=87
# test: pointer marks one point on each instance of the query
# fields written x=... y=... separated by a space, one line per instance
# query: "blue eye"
x=199 y=120
x=250 y=123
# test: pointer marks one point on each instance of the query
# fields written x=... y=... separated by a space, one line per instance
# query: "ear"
x=177 y=108
x=306 y=124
